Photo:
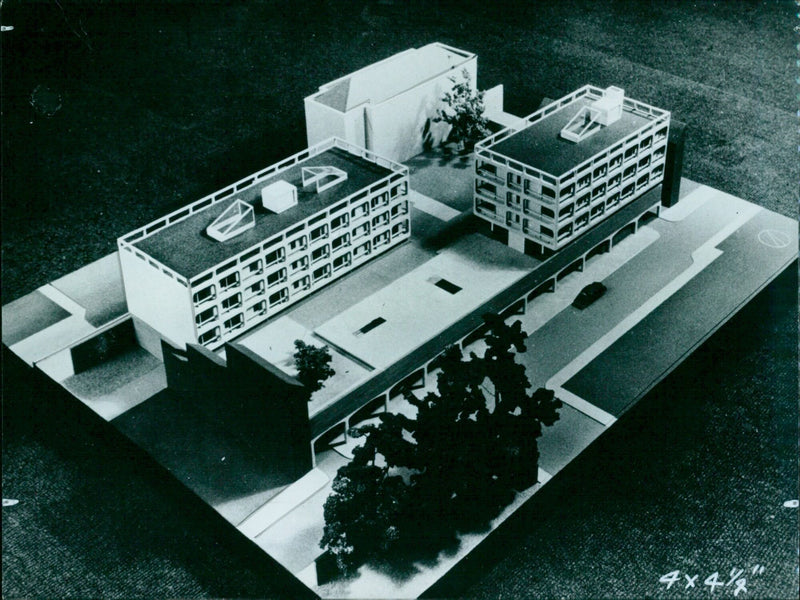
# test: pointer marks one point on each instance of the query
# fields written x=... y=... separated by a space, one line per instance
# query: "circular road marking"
x=774 y=238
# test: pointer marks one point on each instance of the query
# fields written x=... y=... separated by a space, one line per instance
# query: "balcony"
x=489 y=176
x=489 y=194
x=487 y=209
x=534 y=234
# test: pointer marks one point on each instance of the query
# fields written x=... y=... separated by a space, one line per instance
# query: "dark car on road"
x=589 y=294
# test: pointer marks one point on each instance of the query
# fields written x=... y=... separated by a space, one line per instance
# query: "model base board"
x=673 y=276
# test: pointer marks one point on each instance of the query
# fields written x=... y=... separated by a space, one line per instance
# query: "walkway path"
x=432 y=207
x=283 y=503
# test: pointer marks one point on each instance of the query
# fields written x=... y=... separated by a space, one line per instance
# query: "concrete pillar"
x=516 y=241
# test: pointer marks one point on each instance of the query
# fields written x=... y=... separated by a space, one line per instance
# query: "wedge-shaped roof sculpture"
x=235 y=219
x=323 y=177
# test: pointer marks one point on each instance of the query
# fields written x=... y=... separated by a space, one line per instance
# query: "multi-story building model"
x=586 y=168
x=568 y=166
x=225 y=263
x=388 y=107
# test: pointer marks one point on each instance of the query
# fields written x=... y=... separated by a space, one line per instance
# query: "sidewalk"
x=283 y=503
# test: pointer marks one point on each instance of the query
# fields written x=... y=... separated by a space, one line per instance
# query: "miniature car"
x=589 y=294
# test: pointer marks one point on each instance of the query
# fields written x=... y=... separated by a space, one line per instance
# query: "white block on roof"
x=279 y=196
x=610 y=105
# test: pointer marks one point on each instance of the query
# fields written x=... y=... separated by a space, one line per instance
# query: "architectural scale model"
x=225 y=263
x=204 y=304
x=387 y=107
x=569 y=165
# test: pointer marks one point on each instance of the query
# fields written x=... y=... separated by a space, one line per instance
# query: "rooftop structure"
x=225 y=263
x=569 y=165
x=387 y=106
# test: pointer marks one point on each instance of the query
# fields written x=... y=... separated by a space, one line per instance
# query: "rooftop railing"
x=212 y=199
x=126 y=242
x=483 y=148
x=128 y=247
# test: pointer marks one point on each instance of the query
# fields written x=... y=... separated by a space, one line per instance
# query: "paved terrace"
x=392 y=323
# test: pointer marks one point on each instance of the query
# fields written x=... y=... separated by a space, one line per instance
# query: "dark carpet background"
x=161 y=103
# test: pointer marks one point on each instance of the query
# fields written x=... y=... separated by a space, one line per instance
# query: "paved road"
x=553 y=346
x=692 y=313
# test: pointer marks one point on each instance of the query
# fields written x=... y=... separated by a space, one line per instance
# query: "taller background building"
x=563 y=169
x=388 y=107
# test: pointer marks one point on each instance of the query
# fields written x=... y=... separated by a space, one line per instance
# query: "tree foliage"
x=313 y=365
x=452 y=466
x=463 y=111
x=362 y=513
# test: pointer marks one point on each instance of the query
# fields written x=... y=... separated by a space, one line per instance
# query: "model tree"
x=313 y=365
x=452 y=466
x=518 y=415
x=361 y=514
x=456 y=484
x=463 y=111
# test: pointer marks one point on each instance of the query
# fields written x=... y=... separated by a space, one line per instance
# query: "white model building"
x=219 y=266
x=569 y=165
x=387 y=107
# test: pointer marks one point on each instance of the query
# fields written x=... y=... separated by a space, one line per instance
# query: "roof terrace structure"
x=569 y=165
x=225 y=263
x=387 y=106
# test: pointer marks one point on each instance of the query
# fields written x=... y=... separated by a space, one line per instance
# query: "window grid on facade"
x=340 y=242
x=299 y=265
x=613 y=177
x=204 y=295
x=255 y=290
x=341 y=261
x=257 y=309
x=231 y=303
x=319 y=233
x=248 y=288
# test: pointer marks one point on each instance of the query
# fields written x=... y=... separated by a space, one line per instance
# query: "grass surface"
x=162 y=103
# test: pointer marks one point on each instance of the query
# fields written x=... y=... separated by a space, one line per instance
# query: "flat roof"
x=187 y=249
x=458 y=327
x=392 y=76
x=541 y=146
x=401 y=317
